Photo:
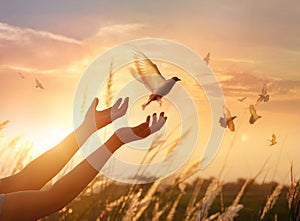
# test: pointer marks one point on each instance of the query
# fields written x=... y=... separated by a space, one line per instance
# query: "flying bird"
x=263 y=97
x=227 y=120
x=207 y=58
x=148 y=74
x=21 y=75
x=254 y=116
x=38 y=84
x=242 y=99
x=3 y=124
x=273 y=140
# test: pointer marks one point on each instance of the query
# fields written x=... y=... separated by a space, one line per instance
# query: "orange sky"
x=251 y=43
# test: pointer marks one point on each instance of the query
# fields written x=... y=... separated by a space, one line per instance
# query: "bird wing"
x=139 y=78
x=227 y=113
x=230 y=125
x=260 y=99
x=266 y=98
x=252 y=110
x=21 y=75
x=207 y=58
x=242 y=99
x=264 y=90
x=222 y=122
x=148 y=72
x=39 y=84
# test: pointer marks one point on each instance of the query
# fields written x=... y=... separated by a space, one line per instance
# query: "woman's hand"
x=95 y=120
x=130 y=134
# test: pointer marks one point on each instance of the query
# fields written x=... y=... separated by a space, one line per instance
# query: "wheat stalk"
x=271 y=200
x=173 y=208
x=108 y=94
x=241 y=192
x=211 y=193
x=156 y=212
x=190 y=207
x=144 y=203
x=230 y=212
x=83 y=104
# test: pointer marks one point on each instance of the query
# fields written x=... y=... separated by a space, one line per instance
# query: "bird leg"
x=148 y=102
x=159 y=101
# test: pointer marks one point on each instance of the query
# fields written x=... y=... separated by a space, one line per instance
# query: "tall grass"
x=271 y=201
x=293 y=197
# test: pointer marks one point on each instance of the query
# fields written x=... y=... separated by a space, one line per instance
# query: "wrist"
x=83 y=132
x=113 y=143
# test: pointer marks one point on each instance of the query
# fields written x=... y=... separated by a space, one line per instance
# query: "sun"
x=244 y=138
x=51 y=138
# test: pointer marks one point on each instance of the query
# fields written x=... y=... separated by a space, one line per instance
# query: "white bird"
x=207 y=58
x=254 y=116
x=273 y=140
x=242 y=99
x=227 y=120
x=263 y=97
x=148 y=74
x=38 y=84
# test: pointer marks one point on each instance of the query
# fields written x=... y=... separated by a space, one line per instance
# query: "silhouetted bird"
x=148 y=74
x=254 y=116
x=21 y=75
x=242 y=99
x=207 y=58
x=263 y=97
x=227 y=120
x=3 y=124
x=273 y=140
x=38 y=84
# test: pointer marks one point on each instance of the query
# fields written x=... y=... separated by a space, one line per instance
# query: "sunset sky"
x=251 y=43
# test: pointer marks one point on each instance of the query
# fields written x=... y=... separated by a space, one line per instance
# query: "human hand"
x=97 y=119
x=130 y=134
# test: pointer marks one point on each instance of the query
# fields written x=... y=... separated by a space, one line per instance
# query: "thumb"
x=95 y=102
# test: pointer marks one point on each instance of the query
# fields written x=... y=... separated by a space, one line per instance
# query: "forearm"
x=73 y=183
x=38 y=172
x=36 y=204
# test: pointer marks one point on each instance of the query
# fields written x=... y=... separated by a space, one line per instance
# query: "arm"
x=38 y=172
x=29 y=205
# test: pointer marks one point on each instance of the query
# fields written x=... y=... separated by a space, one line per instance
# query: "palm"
x=98 y=119
x=130 y=134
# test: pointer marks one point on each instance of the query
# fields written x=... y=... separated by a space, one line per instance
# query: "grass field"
x=93 y=206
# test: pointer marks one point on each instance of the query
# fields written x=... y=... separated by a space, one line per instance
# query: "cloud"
x=246 y=84
x=119 y=29
x=237 y=60
x=42 y=51
x=14 y=33
x=30 y=50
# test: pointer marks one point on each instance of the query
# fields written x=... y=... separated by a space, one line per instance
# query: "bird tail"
x=144 y=106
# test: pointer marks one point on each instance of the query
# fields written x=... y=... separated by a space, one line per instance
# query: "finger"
x=126 y=100
x=96 y=101
x=124 y=106
x=118 y=102
x=159 y=124
x=94 y=104
x=148 y=119
x=162 y=114
x=154 y=118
